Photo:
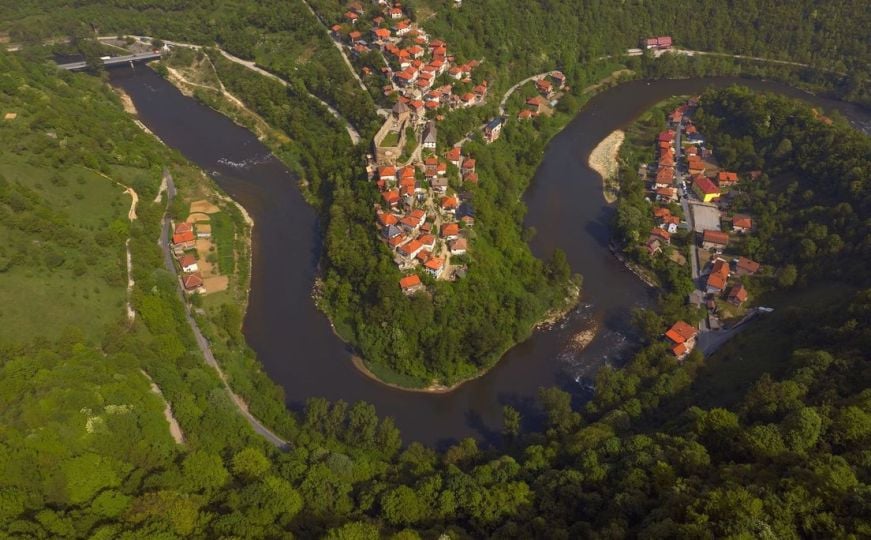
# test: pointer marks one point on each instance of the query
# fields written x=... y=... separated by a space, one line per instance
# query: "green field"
x=223 y=234
x=62 y=258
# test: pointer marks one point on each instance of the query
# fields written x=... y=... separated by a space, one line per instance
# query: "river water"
x=294 y=341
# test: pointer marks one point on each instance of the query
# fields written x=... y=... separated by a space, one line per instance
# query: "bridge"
x=114 y=61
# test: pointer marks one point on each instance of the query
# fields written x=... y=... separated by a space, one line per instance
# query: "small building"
x=714 y=239
x=454 y=156
x=430 y=135
x=410 y=284
x=737 y=295
x=660 y=43
x=204 y=230
x=411 y=249
x=661 y=235
x=493 y=129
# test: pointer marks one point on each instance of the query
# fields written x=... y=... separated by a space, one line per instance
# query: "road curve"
x=201 y=340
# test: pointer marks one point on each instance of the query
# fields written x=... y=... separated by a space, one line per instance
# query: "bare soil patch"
x=603 y=160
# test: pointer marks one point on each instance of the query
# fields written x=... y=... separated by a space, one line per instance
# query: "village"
x=692 y=193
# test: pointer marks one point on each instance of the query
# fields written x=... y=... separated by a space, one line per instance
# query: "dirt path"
x=174 y=427
x=603 y=160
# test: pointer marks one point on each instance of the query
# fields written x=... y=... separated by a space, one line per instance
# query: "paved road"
x=202 y=342
x=679 y=177
x=710 y=341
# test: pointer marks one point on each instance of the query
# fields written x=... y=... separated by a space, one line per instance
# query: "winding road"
x=338 y=45
x=515 y=87
x=201 y=340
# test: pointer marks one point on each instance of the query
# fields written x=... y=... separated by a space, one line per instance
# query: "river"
x=294 y=341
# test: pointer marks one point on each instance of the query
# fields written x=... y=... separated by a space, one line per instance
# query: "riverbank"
x=603 y=160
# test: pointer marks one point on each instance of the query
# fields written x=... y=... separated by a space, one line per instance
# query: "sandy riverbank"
x=603 y=160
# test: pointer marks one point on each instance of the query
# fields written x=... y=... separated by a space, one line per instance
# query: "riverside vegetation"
x=767 y=437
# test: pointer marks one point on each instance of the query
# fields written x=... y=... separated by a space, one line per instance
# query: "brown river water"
x=294 y=341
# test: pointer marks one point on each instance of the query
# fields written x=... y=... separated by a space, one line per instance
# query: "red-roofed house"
x=746 y=267
x=188 y=264
x=387 y=173
x=184 y=241
x=719 y=276
x=193 y=283
x=742 y=223
x=682 y=337
x=410 y=250
x=726 y=178
x=714 y=239
x=660 y=234
x=450 y=231
x=458 y=246
x=468 y=166
x=410 y=284
x=705 y=189
x=737 y=296
x=391 y=197
x=435 y=266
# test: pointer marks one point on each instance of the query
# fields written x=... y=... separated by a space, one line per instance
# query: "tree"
x=401 y=506
x=250 y=464
x=787 y=275
x=510 y=421
x=204 y=471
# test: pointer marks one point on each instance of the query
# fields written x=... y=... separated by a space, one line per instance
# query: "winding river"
x=294 y=340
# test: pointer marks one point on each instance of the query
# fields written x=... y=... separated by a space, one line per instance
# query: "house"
x=746 y=267
x=410 y=250
x=705 y=189
x=691 y=151
x=661 y=235
x=458 y=246
x=401 y=28
x=188 y=264
x=666 y=194
x=718 y=277
x=471 y=177
x=664 y=178
x=449 y=204
x=435 y=266
x=695 y=166
x=183 y=241
x=726 y=179
x=381 y=34
x=193 y=283
x=653 y=246
x=666 y=136
x=682 y=337
x=397 y=241
x=428 y=241
x=525 y=114
x=742 y=223
x=738 y=295
x=391 y=197
x=390 y=230
x=454 y=156
x=536 y=104
x=395 y=13
x=468 y=221
x=387 y=174
x=183 y=228
x=439 y=183
x=544 y=87
x=657 y=43
x=714 y=239
x=430 y=135
x=493 y=129
x=410 y=284
x=351 y=17
x=558 y=79
x=386 y=219
x=355 y=36
x=450 y=231
x=468 y=166
x=409 y=223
